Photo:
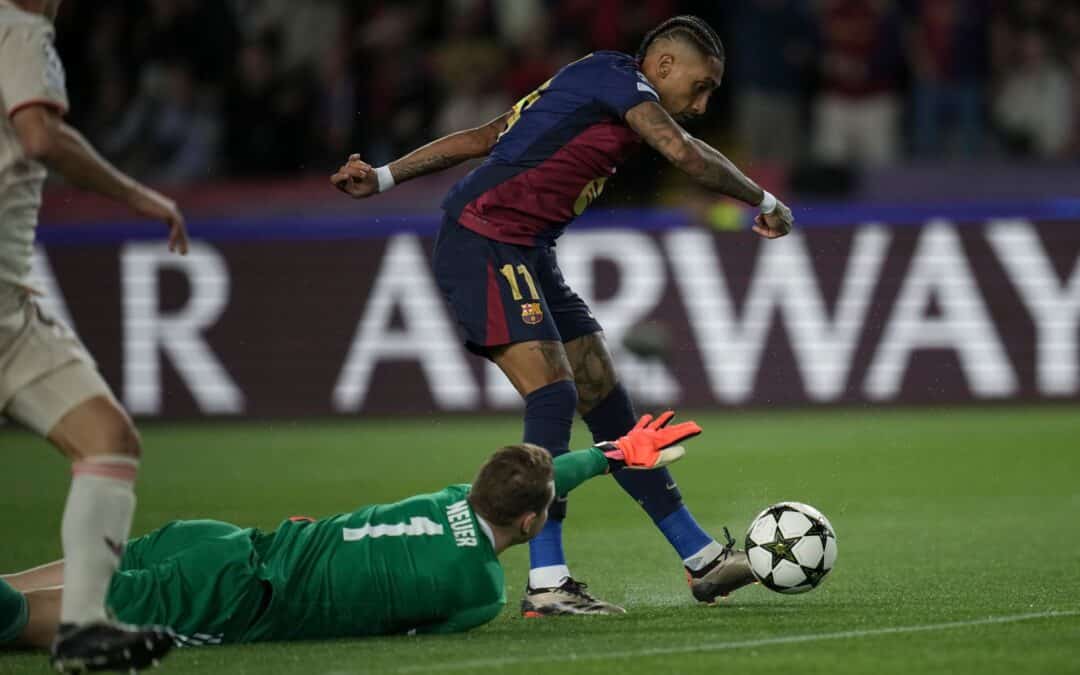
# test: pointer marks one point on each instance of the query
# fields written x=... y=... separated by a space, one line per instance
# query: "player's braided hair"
x=689 y=28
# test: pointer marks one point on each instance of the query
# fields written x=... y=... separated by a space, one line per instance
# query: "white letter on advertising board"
x=404 y=283
x=783 y=282
x=940 y=270
x=1054 y=306
x=148 y=332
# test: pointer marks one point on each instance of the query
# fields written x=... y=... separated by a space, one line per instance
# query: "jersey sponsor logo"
x=589 y=193
x=531 y=313
x=417 y=526
x=461 y=523
x=521 y=106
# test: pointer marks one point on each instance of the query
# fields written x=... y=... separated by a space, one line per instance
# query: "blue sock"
x=549 y=414
x=655 y=490
x=545 y=549
x=683 y=532
x=13 y=612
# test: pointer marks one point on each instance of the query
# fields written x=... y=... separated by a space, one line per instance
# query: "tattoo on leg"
x=554 y=358
x=594 y=373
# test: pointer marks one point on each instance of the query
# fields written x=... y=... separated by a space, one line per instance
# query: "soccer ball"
x=791 y=547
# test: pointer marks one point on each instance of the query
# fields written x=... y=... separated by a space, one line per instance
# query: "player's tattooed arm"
x=449 y=150
x=771 y=226
x=706 y=164
x=357 y=178
x=696 y=158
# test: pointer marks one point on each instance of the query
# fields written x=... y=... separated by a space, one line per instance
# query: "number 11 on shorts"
x=508 y=272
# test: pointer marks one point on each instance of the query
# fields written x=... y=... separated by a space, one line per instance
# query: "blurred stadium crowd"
x=183 y=90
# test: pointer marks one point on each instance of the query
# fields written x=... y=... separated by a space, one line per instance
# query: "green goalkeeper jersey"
x=423 y=564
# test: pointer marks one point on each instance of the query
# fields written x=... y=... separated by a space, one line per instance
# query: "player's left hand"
x=356 y=178
x=776 y=224
x=651 y=443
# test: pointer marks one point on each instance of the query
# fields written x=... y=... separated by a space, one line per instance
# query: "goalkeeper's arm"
x=649 y=445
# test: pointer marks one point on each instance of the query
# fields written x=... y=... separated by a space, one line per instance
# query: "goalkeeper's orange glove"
x=650 y=444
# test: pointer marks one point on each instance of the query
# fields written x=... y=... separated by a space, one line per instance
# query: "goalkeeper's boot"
x=108 y=645
x=570 y=597
x=727 y=572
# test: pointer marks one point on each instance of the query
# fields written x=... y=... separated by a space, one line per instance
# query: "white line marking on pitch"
x=739 y=644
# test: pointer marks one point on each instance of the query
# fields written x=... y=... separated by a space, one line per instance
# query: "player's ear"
x=525 y=525
x=665 y=64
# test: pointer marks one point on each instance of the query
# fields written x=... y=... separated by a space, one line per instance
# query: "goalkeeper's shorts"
x=197 y=577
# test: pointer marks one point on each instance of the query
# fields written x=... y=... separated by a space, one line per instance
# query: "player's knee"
x=591 y=393
x=98 y=427
x=117 y=436
x=558 y=399
x=127 y=441
x=594 y=371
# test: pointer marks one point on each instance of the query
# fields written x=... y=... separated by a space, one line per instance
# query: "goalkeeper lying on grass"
x=426 y=564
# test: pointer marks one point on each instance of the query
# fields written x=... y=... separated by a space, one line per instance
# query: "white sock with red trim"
x=96 y=524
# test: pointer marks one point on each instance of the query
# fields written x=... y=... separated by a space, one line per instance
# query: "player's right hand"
x=776 y=224
x=152 y=204
x=651 y=443
x=356 y=178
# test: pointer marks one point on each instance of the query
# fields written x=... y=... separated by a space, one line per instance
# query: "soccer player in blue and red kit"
x=546 y=160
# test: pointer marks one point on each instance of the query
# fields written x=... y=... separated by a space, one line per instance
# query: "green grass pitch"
x=959 y=540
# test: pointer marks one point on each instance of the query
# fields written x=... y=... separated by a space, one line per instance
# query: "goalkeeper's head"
x=513 y=491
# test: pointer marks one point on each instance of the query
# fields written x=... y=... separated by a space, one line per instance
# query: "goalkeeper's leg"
x=712 y=569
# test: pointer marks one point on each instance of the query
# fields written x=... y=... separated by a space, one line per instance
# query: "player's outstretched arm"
x=651 y=444
x=708 y=166
x=46 y=138
x=359 y=179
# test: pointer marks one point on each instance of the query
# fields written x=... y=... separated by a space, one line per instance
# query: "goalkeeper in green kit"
x=427 y=564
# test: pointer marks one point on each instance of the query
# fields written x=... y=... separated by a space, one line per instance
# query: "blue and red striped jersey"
x=561 y=144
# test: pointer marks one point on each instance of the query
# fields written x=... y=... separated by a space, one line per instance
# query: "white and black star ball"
x=791 y=547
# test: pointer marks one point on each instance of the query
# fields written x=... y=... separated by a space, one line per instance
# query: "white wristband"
x=385 y=178
x=768 y=203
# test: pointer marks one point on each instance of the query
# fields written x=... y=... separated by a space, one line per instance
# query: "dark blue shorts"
x=501 y=294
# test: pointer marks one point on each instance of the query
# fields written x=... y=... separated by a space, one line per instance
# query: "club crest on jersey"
x=531 y=313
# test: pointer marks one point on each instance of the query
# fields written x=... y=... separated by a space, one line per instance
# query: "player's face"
x=689 y=82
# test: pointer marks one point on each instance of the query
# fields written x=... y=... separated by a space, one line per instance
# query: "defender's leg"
x=58 y=392
x=14 y=613
x=102 y=645
x=41 y=618
x=42 y=576
x=99 y=436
